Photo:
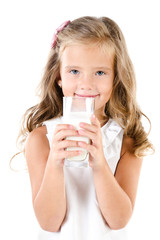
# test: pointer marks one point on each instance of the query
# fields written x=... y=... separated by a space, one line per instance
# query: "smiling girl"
x=88 y=59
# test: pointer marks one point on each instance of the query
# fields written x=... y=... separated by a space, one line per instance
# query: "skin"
x=88 y=74
x=85 y=71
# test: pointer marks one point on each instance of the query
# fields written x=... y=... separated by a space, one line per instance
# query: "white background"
x=26 y=30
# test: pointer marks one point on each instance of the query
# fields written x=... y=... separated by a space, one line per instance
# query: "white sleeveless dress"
x=84 y=220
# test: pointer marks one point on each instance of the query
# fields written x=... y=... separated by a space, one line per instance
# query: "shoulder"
x=127 y=145
x=128 y=160
x=37 y=141
x=39 y=131
x=37 y=135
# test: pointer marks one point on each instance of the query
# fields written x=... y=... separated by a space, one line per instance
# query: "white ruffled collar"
x=110 y=131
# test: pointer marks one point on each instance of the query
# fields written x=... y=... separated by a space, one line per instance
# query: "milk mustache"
x=80 y=112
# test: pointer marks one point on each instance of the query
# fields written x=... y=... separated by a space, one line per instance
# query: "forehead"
x=92 y=55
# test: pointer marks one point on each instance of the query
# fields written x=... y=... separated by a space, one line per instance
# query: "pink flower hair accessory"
x=59 y=29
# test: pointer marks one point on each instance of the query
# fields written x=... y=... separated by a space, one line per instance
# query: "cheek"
x=68 y=88
x=67 y=84
x=107 y=88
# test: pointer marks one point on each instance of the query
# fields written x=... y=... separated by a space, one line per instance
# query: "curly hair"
x=122 y=105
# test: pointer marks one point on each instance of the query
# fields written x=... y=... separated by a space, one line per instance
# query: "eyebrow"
x=95 y=68
x=72 y=66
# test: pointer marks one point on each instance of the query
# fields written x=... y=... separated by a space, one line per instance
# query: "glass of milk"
x=76 y=110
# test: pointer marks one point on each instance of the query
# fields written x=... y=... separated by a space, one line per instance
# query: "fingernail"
x=80 y=144
x=81 y=124
x=80 y=131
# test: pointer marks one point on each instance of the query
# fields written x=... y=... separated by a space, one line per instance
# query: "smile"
x=89 y=96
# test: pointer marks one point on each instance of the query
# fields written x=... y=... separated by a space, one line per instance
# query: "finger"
x=90 y=148
x=59 y=127
x=94 y=120
x=89 y=127
x=90 y=135
x=67 y=143
x=64 y=133
x=68 y=154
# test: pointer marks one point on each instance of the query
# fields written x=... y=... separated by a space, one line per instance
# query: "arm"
x=116 y=194
x=46 y=175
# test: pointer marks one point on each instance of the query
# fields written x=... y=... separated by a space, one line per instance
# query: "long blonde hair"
x=122 y=105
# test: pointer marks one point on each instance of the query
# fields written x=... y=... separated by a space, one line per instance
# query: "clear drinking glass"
x=76 y=110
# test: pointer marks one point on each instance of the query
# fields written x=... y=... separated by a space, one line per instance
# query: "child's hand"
x=95 y=148
x=59 y=144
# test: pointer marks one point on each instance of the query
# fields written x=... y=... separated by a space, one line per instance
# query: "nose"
x=86 y=82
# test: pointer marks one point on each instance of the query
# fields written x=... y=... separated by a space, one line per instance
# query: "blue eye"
x=74 y=71
x=100 y=73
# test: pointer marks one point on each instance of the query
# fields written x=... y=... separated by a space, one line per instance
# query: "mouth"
x=86 y=95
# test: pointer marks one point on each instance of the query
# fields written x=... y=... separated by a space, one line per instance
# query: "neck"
x=102 y=118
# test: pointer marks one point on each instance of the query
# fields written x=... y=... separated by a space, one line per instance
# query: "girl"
x=88 y=58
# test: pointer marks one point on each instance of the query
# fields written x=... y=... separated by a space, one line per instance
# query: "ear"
x=59 y=82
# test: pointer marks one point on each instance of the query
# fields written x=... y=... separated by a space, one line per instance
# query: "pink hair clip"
x=59 y=29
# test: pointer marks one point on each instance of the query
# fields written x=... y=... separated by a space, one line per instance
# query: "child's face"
x=87 y=71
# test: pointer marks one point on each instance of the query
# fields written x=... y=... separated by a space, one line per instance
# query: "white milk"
x=74 y=119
